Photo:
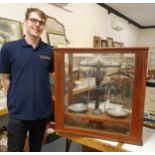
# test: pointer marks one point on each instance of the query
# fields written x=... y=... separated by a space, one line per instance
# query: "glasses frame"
x=35 y=21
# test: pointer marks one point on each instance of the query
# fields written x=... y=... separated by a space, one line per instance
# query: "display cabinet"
x=100 y=92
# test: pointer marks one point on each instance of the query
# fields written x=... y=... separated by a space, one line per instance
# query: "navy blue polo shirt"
x=29 y=95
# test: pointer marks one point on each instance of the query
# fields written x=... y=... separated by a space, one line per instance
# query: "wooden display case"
x=100 y=92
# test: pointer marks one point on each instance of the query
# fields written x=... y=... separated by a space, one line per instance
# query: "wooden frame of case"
x=135 y=136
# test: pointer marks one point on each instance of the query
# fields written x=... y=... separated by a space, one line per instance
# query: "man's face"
x=34 y=25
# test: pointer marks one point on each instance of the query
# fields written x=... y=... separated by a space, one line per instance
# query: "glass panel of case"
x=98 y=91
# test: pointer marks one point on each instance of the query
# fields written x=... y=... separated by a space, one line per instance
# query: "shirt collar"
x=25 y=44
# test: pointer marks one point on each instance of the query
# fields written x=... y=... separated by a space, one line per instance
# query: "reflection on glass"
x=98 y=91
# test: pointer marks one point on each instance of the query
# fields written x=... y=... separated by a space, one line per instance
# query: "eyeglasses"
x=35 y=21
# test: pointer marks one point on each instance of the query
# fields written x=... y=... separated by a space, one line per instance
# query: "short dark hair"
x=36 y=10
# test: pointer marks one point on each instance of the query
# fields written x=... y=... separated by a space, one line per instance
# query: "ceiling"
x=141 y=15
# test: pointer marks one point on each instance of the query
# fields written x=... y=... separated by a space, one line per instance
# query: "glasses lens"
x=35 y=21
x=41 y=22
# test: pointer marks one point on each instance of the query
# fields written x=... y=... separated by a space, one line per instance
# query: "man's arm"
x=5 y=79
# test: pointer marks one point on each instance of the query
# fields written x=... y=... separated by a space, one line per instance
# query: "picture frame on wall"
x=55 y=32
x=96 y=42
x=56 y=40
x=54 y=26
x=103 y=43
x=109 y=42
x=10 y=30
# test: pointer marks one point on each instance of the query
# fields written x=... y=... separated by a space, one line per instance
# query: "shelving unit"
x=3 y=108
x=3 y=111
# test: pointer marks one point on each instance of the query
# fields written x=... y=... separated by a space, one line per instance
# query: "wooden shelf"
x=98 y=118
x=81 y=90
x=104 y=82
x=3 y=111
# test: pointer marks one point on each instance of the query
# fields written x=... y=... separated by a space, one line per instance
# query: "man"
x=25 y=67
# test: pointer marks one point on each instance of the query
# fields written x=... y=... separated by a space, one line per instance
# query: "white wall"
x=85 y=21
x=147 y=37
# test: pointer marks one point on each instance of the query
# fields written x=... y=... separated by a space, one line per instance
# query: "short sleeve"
x=5 y=66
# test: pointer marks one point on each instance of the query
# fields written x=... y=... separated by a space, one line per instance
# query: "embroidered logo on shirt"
x=45 y=57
